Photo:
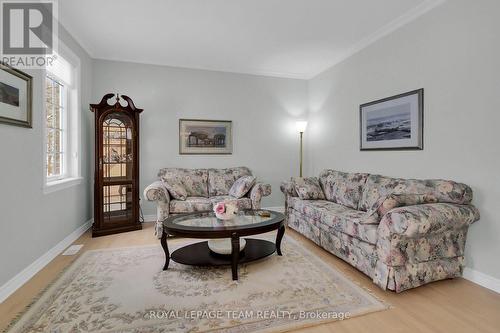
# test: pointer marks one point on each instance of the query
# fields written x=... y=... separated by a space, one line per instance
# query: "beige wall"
x=32 y=222
x=452 y=52
x=263 y=111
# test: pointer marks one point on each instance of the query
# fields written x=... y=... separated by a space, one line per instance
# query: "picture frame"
x=16 y=95
x=205 y=137
x=393 y=123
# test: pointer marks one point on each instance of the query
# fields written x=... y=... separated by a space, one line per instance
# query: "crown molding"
x=84 y=46
x=240 y=71
x=392 y=26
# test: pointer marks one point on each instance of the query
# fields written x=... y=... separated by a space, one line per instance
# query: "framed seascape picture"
x=15 y=96
x=205 y=136
x=395 y=122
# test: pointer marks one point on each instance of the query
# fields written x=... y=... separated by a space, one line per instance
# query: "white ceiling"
x=285 y=38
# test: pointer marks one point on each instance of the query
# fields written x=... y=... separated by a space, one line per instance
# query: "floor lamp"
x=301 y=127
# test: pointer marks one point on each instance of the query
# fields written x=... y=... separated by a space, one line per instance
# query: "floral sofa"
x=204 y=188
x=402 y=233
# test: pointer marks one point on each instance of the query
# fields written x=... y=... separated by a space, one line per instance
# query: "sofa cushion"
x=411 y=191
x=350 y=223
x=437 y=190
x=394 y=200
x=242 y=203
x=191 y=204
x=308 y=188
x=376 y=187
x=335 y=218
x=241 y=186
x=195 y=181
x=200 y=204
x=176 y=189
x=342 y=187
x=221 y=180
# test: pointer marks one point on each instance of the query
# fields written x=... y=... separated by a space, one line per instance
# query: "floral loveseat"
x=403 y=233
x=204 y=188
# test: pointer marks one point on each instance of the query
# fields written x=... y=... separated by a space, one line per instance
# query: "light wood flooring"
x=447 y=306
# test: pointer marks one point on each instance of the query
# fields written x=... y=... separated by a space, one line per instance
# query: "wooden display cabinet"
x=116 y=175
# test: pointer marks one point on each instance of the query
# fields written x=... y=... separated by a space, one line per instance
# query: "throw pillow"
x=404 y=199
x=344 y=188
x=308 y=188
x=394 y=200
x=241 y=186
x=176 y=190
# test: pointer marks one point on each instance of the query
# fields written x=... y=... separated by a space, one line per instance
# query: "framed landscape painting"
x=205 y=136
x=15 y=96
x=393 y=123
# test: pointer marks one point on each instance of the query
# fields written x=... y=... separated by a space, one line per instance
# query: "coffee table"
x=206 y=225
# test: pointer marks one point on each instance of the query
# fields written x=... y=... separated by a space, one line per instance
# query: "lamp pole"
x=300 y=172
x=301 y=127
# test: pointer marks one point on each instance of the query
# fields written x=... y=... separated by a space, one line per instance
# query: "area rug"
x=125 y=290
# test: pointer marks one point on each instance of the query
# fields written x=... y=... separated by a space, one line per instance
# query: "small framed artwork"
x=393 y=123
x=205 y=137
x=15 y=97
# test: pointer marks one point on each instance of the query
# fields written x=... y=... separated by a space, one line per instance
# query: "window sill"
x=61 y=184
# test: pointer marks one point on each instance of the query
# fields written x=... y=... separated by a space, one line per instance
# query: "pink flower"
x=220 y=208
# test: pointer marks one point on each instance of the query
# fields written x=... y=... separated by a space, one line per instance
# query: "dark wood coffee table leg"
x=279 y=237
x=165 y=248
x=235 y=255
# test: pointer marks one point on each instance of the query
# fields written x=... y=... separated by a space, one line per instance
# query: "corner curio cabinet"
x=116 y=175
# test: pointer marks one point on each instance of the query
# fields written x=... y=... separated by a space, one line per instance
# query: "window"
x=62 y=131
x=55 y=110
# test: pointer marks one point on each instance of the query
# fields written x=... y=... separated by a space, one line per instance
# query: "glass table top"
x=209 y=220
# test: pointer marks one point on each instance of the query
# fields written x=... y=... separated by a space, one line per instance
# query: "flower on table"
x=220 y=208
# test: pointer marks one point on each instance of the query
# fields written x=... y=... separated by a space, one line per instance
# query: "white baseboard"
x=470 y=274
x=482 y=279
x=22 y=277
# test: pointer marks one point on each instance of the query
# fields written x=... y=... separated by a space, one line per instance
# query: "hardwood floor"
x=446 y=306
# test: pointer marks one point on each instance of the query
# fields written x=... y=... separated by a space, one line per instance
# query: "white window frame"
x=64 y=134
x=71 y=174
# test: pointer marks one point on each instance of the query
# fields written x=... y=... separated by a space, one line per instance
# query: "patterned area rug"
x=125 y=290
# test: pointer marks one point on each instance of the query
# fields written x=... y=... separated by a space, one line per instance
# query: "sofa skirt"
x=400 y=278
x=357 y=253
x=364 y=257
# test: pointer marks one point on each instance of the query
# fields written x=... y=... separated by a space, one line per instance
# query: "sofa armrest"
x=427 y=219
x=158 y=193
x=258 y=191
x=288 y=188
x=423 y=233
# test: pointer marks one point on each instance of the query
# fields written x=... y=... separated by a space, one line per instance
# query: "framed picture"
x=393 y=123
x=205 y=136
x=15 y=96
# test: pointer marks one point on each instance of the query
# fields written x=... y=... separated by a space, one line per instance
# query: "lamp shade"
x=301 y=125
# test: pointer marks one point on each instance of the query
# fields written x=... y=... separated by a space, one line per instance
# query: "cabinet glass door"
x=117 y=148
x=117 y=167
